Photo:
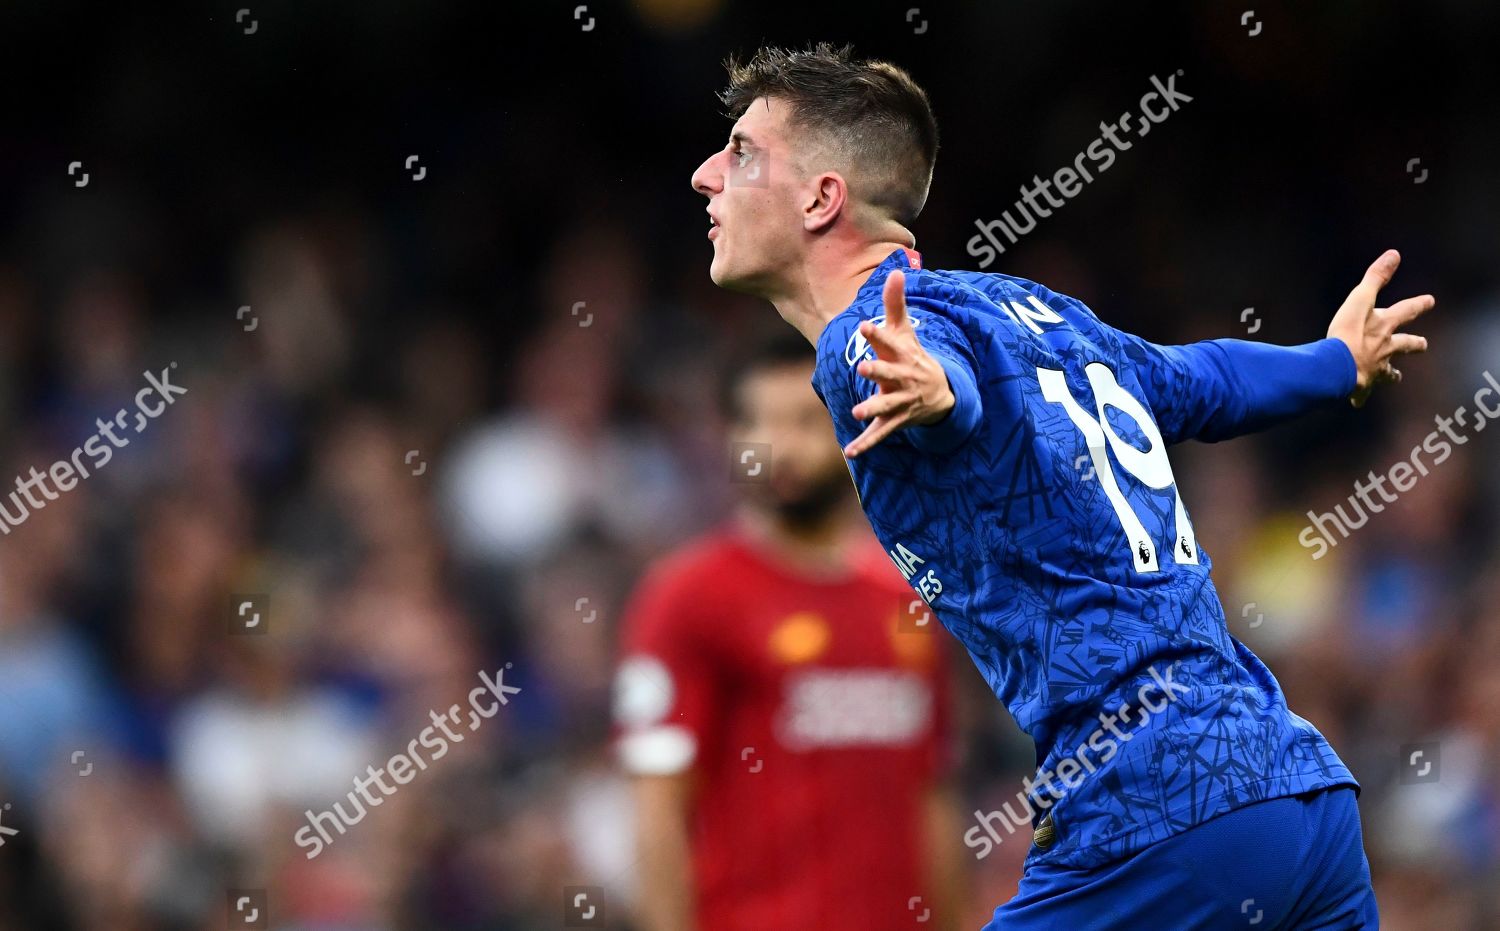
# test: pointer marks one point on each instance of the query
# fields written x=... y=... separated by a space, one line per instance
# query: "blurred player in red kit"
x=781 y=703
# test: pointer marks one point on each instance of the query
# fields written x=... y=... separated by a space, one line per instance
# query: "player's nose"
x=708 y=179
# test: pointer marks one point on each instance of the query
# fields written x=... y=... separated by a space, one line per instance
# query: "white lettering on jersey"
x=853 y=707
x=1029 y=317
x=905 y=560
x=929 y=585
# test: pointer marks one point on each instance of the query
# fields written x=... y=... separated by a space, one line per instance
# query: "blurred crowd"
x=419 y=483
x=407 y=531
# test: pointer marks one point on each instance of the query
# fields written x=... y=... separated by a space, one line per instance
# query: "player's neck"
x=819 y=550
x=826 y=283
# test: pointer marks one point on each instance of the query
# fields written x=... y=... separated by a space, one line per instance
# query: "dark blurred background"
x=471 y=390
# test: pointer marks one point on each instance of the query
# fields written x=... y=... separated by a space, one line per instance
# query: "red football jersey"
x=811 y=713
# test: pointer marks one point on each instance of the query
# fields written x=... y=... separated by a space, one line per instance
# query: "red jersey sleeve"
x=944 y=749
x=665 y=691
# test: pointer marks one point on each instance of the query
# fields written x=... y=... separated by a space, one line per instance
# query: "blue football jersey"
x=1041 y=522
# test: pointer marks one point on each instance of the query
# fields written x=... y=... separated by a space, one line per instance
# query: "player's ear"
x=827 y=196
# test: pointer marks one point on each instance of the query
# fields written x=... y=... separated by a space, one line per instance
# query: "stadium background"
x=265 y=166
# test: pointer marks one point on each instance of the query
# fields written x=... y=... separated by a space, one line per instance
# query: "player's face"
x=807 y=475
x=751 y=186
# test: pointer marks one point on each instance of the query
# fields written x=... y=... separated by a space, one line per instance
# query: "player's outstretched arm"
x=912 y=385
x=1219 y=389
x=1370 y=331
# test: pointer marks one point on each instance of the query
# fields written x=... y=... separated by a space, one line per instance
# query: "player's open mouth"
x=713 y=226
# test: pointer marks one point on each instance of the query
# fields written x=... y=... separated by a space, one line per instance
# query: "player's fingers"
x=1404 y=312
x=879 y=370
x=887 y=342
x=886 y=402
x=1402 y=343
x=1385 y=373
x=878 y=430
x=894 y=298
x=1377 y=276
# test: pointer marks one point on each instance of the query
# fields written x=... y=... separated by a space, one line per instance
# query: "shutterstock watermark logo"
x=484 y=700
x=1403 y=475
x=1101 y=746
x=1155 y=106
x=65 y=474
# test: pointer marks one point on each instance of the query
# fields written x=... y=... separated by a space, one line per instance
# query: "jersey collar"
x=902 y=258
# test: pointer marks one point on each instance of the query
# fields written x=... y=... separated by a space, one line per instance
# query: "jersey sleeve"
x=1222 y=388
x=665 y=699
x=946 y=342
x=1218 y=389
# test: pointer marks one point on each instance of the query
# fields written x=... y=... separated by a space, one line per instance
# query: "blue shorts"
x=1294 y=862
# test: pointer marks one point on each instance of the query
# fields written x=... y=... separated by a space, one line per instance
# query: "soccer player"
x=781 y=700
x=1009 y=449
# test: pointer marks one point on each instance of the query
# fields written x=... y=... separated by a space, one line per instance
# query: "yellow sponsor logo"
x=800 y=638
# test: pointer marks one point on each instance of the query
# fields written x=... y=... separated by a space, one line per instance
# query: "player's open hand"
x=913 y=387
x=1370 y=331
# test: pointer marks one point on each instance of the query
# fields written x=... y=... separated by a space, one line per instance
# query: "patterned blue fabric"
x=1295 y=863
x=1040 y=521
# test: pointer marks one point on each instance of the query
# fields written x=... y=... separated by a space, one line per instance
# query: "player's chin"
x=720 y=272
x=732 y=277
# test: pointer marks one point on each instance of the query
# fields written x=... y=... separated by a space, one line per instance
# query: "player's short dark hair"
x=778 y=350
x=870 y=111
